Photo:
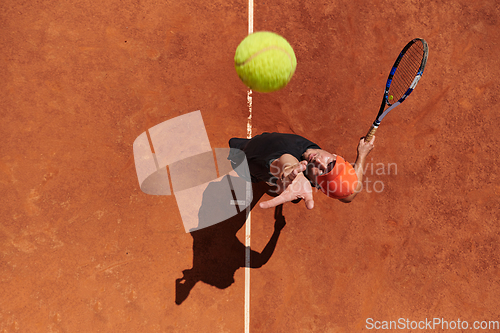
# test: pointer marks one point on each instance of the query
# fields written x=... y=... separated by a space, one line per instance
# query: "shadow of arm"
x=258 y=260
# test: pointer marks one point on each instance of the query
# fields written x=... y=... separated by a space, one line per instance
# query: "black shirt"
x=264 y=148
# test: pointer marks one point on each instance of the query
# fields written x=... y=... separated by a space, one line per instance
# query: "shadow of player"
x=217 y=252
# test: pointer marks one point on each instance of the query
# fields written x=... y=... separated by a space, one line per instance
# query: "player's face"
x=318 y=161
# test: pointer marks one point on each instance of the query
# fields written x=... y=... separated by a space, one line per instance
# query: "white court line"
x=248 y=196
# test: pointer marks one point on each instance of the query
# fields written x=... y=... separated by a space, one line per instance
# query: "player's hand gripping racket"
x=404 y=76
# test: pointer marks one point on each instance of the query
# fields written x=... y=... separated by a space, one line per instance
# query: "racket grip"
x=370 y=133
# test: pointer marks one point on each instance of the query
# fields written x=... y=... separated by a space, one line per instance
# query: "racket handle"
x=370 y=133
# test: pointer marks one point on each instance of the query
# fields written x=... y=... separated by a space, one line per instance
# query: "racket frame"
x=385 y=101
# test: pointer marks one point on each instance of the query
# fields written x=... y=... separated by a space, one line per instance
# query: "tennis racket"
x=404 y=76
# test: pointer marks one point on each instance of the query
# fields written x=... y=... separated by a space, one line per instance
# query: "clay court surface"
x=83 y=249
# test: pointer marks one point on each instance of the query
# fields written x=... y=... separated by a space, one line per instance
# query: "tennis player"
x=292 y=165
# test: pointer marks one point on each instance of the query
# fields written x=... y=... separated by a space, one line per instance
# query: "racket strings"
x=403 y=78
x=406 y=71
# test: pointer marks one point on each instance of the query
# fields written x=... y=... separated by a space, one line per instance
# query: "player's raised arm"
x=364 y=149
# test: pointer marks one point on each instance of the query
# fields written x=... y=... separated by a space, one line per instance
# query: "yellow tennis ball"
x=265 y=61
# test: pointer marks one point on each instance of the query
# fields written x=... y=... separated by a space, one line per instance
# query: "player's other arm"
x=364 y=149
x=285 y=169
x=291 y=182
